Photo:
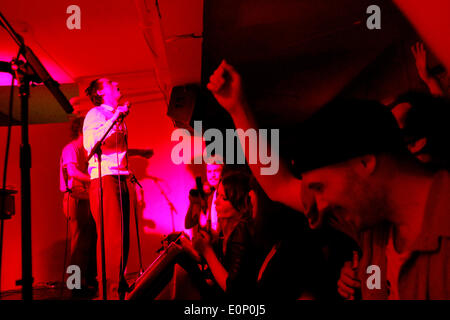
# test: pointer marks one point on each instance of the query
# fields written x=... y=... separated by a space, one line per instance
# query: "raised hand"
x=226 y=86
x=122 y=110
x=420 y=55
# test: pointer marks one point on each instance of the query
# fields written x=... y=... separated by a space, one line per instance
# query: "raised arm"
x=226 y=86
x=420 y=55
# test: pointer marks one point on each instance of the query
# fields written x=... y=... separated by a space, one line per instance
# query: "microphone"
x=199 y=185
x=123 y=115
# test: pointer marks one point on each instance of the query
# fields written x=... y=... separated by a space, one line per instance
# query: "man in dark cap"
x=351 y=157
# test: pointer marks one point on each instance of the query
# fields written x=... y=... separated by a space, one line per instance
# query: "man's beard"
x=372 y=209
x=366 y=206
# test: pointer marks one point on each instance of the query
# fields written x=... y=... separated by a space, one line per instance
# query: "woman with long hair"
x=234 y=266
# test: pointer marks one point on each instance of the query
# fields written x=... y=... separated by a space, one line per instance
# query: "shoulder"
x=70 y=147
x=438 y=205
x=69 y=152
x=241 y=233
x=94 y=113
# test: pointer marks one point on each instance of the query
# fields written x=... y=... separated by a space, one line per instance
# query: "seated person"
x=234 y=266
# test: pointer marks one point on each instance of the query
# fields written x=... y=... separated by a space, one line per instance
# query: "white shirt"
x=72 y=153
x=212 y=213
x=114 y=148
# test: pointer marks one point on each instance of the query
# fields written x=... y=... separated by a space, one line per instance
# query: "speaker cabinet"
x=183 y=101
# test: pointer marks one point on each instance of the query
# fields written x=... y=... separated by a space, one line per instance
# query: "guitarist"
x=74 y=182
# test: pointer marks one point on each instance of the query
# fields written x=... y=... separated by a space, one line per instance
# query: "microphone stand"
x=32 y=71
x=97 y=150
x=172 y=207
x=135 y=181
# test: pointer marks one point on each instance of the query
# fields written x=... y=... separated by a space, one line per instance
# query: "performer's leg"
x=123 y=287
x=112 y=218
x=198 y=278
x=91 y=234
x=79 y=241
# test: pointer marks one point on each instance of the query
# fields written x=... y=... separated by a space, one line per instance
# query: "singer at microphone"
x=105 y=96
x=123 y=111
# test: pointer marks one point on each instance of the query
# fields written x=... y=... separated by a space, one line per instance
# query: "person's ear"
x=367 y=164
x=100 y=93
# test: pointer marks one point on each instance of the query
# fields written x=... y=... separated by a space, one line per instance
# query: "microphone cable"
x=66 y=244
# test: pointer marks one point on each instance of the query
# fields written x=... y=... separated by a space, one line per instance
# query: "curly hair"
x=76 y=127
x=91 y=92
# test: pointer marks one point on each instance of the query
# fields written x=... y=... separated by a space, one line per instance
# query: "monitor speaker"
x=182 y=105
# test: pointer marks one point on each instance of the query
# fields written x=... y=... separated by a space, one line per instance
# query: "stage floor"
x=54 y=291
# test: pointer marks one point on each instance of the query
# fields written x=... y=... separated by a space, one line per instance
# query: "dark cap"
x=345 y=129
